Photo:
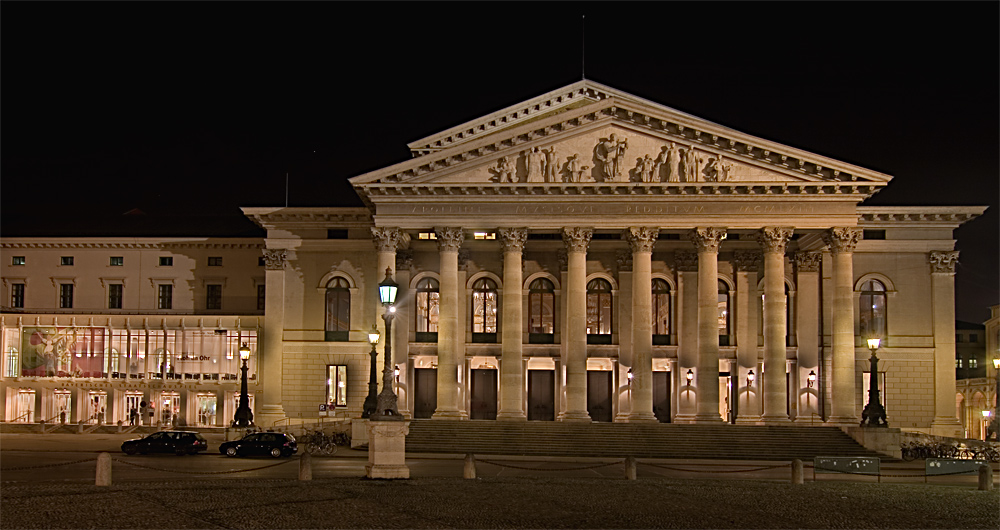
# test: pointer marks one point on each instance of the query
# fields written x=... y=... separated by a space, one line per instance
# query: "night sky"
x=187 y=111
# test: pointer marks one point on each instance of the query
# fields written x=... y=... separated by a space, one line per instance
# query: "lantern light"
x=387 y=289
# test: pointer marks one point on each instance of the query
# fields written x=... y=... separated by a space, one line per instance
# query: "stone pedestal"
x=387 y=449
x=359 y=432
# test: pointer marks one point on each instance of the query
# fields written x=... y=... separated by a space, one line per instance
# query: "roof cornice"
x=128 y=244
x=268 y=217
x=917 y=216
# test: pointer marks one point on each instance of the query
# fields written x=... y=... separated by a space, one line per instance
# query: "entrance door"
x=133 y=402
x=206 y=410
x=483 y=403
x=599 y=395
x=25 y=409
x=425 y=386
x=661 y=396
x=98 y=402
x=62 y=405
x=170 y=406
x=541 y=395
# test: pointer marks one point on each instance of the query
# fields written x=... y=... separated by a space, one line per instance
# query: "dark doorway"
x=661 y=396
x=483 y=403
x=599 y=395
x=541 y=395
x=425 y=384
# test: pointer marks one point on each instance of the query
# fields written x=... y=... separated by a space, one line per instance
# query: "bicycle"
x=319 y=443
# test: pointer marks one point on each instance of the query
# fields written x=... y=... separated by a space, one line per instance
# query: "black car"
x=261 y=443
x=177 y=442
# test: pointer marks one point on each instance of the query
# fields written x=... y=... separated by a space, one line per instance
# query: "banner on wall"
x=62 y=352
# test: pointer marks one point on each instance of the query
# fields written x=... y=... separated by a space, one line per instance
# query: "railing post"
x=305 y=466
x=470 y=466
x=985 y=478
x=630 y=468
x=797 y=473
x=103 y=470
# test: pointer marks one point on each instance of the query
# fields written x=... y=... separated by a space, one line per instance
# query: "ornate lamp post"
x=386 y=407
x=371 y=401
x=874 y=413
x=243 y=416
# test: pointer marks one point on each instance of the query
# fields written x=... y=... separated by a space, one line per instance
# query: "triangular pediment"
x=587 y=133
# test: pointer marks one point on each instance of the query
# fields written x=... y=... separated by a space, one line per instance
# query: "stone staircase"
x=660 y=440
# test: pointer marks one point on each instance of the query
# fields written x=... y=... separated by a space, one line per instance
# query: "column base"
x=946 y=426
x=642 y=417
x=576 y=416
x=268 y=416
x=387 y=450
x=707 y=418
x=747 y=420
x=511 y=416
x=776 y=420
x=843 y=421
x=684 y=418
x=447 y=415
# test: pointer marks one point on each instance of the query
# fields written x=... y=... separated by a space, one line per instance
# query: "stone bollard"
x=305 y=466
x=103 y=470
x=470 y=467
x=985 y=478
x=630 y=468
x=120 y=425
x=797 y=474
x=79 y=427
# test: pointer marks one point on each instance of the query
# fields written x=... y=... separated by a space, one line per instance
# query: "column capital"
x=274 y=259
x=842 y=239
x=641 y=238
x=577 y=238
x=747 y=260
x=707 y=239
x=943 y=262
x=685 y=261
x=773 y=239
x=807 y=261
x=512 y=239
x=624 y=260
x=449 y=238
x=386 y=238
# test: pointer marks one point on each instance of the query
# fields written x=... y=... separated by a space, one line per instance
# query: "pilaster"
x=747 y=264
x=942 y=265
x=807 y=317
x=270 y=356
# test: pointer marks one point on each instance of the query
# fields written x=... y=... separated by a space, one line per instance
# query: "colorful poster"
x=62 y=352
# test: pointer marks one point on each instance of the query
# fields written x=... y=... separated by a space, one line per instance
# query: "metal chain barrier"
x=202 y=472
x=22 y=468
x=662 y=466
x=540 y=469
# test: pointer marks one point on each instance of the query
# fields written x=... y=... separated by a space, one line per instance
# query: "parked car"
x=274 y=444
x=177 y=442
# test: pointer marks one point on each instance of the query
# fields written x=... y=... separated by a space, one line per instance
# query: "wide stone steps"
x=744 y=442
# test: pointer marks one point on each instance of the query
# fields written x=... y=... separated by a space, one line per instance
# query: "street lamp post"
x=386 y=407
x=994 y=428
x=874 y=413
x=371 y=401
x=243 y=416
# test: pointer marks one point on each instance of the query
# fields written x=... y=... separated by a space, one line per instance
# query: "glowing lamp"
x=387 y=289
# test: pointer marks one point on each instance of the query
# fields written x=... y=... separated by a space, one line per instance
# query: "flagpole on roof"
x=583 y=47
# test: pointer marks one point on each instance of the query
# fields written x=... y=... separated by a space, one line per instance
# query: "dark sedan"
x=274 y=444
x=177 y=442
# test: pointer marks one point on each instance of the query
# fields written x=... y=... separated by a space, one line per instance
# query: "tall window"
x=115 y=296
x=165 y=296
x=213 y=296
x=17 y=295
x=484 y=310
x=872 y=310
x=336 y=384
x=338 y=309
x=541 y=311
x=428 y=307
x=723 y=313
x=661 y=312
x=599 y=312
x=65 y=295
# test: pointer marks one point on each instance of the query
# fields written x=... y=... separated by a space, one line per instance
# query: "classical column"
x=386 y=240
x=842 y=241
x=942 y=264
x=449 y=241
x=706 y=241
x=807 y=331
x=747 y=263
x=641 y=240
x=772 y=241
x=511 y=366
x=269 y=400
x=576 y=240
x=686 y=265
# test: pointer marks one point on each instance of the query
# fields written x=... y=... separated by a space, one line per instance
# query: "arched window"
x=484 y=310
x=661 y=312
x=338 y=309
x=724 y=312
x=599 y=312
x=872 y=310
x=428 y=298
x=541 y=311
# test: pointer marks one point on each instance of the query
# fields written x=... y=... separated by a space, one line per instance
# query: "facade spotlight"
x=811 y=378
x=750 y=378
x=690 y=376
x=630 y=376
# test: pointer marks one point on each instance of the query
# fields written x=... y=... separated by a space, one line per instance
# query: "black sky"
x=188 y=111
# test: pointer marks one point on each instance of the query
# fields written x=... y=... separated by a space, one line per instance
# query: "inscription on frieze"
x=615 y=208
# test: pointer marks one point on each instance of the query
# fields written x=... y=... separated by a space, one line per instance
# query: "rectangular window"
x=66 y=260
x=973 y=363
x=260 y=297
x=336 y=233
x=17 y=260
x=958 y=362
x=115 y=296
x=215 y=261
x=427 y=235
x=65 y=295
x=873 y=234
x=17 y=295
x=117 y=261
x=484 y=235
x=213 y=297
x=336 y=384
x=260 y=261
x=166 y=261
x=165 y=297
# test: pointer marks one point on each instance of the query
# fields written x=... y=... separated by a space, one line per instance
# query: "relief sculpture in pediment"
x=689 y=164
x=503 y=171
x=574 y=171
x=610 y=152
x=665 y=168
